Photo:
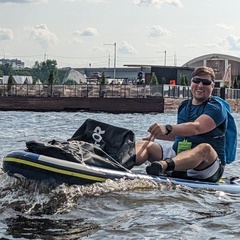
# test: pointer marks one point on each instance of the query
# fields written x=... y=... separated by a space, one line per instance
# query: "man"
x=198 y=151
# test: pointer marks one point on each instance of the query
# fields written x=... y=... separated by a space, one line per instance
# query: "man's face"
x=202 y=87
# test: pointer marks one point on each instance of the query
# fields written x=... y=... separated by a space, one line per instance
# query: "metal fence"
x=185 y=92
x=118 y=91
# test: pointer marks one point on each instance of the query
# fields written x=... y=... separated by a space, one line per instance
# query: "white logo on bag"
x=97 y=135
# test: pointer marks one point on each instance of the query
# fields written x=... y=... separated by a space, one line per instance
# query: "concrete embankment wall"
x=171 y=104
x=114 y=105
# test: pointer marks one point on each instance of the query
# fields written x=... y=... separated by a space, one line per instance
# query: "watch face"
x=169 y=128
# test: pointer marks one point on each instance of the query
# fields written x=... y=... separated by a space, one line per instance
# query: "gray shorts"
x=214 y=171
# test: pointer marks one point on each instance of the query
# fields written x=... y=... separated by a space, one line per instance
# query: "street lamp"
x=115 y=57
x=165 y=57
x=45 y=56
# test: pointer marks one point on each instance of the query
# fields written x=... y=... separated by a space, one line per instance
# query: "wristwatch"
x=169 y=129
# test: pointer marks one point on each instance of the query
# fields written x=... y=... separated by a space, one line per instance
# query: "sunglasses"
x=204 y=81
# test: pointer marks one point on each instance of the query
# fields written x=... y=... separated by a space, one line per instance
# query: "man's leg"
x=147 y=151
x=198 y=158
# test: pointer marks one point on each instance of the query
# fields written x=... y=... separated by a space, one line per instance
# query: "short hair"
x=204 y=71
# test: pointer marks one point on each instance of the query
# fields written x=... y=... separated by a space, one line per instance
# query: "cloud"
x=6 y=34
x=126 y=48
x=43 y=36
x=98 y=1
x=76 y=40
x=90 y=1
x=99 y=49
x=158 y=3
x=88 y=32
x=23 y=1
x=195 y=46
x=211 y=45
x=223 y=26
x=191 y=45
x=233 y=42
x=158 y=31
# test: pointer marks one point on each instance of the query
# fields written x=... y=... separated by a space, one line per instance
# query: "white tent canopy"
x=19 y=79
x=75 y=76
x=227 y=76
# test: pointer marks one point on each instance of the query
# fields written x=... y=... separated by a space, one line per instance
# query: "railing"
x=113 y=91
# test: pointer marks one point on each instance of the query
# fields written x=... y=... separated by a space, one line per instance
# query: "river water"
x=120 y=209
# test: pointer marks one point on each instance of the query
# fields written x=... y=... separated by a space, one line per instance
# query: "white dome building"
x=220 y=63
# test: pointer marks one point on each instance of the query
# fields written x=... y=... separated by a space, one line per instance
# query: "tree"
x=103 y=79
x=164 y=80
x=22 y=72
x=182 y=79
x=43 y=70
x=186 y=82
x=11 y=79
x=6 y=69
x=70 y=82
x=10 y=82
x=154 y=83
x=103 y=82
x=61 y=73
x=235 y=83
x=51 y=81
x=51 y=77
x=154 y=79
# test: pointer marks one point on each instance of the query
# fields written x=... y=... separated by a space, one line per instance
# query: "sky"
x=84 y=33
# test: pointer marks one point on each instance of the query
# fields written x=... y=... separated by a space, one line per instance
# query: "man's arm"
x=201 y=125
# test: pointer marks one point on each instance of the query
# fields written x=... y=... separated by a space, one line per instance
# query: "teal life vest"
x=230 y=131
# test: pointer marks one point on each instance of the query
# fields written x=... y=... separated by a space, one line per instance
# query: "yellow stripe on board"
x=37 y=165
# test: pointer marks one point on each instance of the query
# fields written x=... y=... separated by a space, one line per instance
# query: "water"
x=120 y=209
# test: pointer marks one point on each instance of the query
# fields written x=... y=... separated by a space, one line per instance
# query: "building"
x=15 y=63
x=220 y=63
x=125 y=74
x=75 y=76
x=172 y=75
x=18 y=79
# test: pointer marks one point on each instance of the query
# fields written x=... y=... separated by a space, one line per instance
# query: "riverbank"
x=91 y=104
x=171 y=104
x=97 y=104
